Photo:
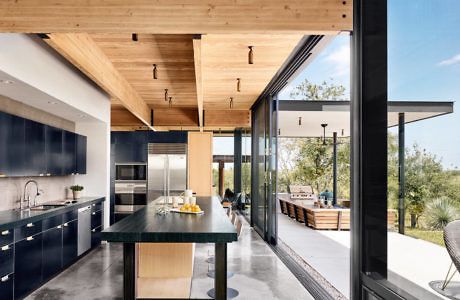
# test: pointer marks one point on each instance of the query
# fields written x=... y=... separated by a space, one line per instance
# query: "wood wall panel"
x=199 y=162
x=227 y=118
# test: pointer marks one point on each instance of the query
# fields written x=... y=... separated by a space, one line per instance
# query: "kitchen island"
x=146 y=226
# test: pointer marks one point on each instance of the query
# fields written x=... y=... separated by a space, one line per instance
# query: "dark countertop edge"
x=169 y=237
x=51 y=213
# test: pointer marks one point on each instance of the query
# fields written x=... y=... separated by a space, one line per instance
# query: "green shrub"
x=439 y=212
x=76 y=188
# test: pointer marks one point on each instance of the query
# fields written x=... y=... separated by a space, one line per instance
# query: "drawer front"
x=96 y=236
x=52 y=222
x=6 y=259
x=96 y=206
x=96 y=219
x=70 y=216
x=29 y=229
x=6 y=237
x=6 y=287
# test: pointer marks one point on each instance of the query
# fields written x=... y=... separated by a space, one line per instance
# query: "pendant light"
x=170 y=102
x=231 y=102
x=155 y=72
x=250 y=55
x=166 y=94
x=238 y=85
x=134 y=37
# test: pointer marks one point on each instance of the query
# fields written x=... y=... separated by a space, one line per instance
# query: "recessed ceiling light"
x=6 y=81
x=52 y=102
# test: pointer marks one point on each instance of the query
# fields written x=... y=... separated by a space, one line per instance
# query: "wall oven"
x=130 y=171
x=129 y=197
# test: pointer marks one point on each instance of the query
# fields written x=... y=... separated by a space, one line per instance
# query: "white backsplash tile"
x=51 y=189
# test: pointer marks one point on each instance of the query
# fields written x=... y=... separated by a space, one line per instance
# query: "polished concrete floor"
x=259 y=274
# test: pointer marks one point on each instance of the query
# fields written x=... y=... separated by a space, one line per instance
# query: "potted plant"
x=76 y=190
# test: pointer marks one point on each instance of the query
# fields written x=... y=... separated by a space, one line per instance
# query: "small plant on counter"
x=76 y=190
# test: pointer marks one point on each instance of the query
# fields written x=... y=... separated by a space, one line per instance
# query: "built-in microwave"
x=131 y=171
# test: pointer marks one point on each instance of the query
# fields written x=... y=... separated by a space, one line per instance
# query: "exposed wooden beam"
x=177 y=16
x=175 y=117
x=228 y=118
x=198 y=77
x=83 y=52
x=122 y=117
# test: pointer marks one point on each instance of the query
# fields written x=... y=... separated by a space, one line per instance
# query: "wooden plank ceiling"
x=224 y=58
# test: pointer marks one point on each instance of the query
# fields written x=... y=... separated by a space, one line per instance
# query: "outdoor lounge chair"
x=452 y=241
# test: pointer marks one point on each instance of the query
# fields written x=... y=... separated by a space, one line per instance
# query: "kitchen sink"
x=46 y=207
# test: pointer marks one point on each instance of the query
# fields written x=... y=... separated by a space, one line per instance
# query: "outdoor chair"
x=452 y=241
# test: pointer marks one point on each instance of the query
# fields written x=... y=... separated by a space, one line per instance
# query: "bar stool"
x=231 y=293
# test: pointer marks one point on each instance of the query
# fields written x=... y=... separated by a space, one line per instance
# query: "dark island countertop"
x=14 y=218
x=146 y=226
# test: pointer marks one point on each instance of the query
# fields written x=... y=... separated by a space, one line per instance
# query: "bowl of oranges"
x=189 y=209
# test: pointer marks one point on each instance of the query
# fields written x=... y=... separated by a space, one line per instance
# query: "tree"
x=327 y=90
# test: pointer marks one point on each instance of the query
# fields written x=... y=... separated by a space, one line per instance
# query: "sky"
x=423 y=65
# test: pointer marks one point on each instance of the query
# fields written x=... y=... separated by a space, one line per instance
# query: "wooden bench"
x=337 y=219
x=291 y=210
x=283 y=207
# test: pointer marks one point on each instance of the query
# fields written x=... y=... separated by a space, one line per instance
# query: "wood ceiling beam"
x=177 y=16
x=227 y=118
x=198 y=77
x=82 y=51
x=161 y=117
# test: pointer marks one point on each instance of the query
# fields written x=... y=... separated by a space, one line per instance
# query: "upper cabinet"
x=29 y=148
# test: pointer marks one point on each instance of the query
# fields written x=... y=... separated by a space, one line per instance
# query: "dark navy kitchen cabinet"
x=81 y=154
x=69 y=242
x=53 y=152
x=4 y=134
x=6 y=260
x=16 y=149
x=69 y=159
x=7 y=286
x=52 y=247
x=34 y=148
x=27 y=265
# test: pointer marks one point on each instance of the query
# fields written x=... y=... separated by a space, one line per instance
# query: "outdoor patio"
x=412 y=262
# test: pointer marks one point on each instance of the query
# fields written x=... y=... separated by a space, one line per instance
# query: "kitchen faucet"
x=28 y=197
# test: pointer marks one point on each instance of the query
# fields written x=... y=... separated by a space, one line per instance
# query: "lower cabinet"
x=52 y=252
x=7 y=287
x=96 y=236
x=69 y=242
x=28 y=265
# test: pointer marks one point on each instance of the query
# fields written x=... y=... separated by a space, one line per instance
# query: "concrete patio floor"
x=412 y=263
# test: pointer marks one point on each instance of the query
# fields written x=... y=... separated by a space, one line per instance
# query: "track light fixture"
x=155 y=72
x=238 y=85
x=250 y=55
x=231 y=102
x=170 y=102
x=166 y=94
x=134 y=37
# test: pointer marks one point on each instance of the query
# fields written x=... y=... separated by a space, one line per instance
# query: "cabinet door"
x=96 y=236
x=6 y=287
x=52 y=252
x=5 y=120
x=16 y=147
x=34 y=148
x=27 y=265
x=69 y=242
x=53 y=141
x=81 y=154
x=69 y=161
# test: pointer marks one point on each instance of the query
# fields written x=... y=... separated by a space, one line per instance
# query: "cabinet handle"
x=93 y=230
x=93 y=213
x=48 y=174
x=30 y=225
x=59 y=226
x=5 y=232
x=5 y=278
x=66 y=224
x=2 y=175
x=30 y=238
x=4 y=248
x=41 y=174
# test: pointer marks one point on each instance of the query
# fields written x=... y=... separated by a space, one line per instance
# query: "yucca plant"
x=439 y=212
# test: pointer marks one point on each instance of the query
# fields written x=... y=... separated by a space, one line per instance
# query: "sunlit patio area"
x=412 y=262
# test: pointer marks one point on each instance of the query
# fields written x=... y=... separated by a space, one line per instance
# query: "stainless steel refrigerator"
x=167 y=169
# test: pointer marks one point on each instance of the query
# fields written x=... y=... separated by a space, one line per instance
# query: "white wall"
x=30 y=60
x=97 y=178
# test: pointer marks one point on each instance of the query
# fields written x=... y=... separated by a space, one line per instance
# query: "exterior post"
x=221 y=178
x=237 y=161
x=334 y=201
x=401 y=175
